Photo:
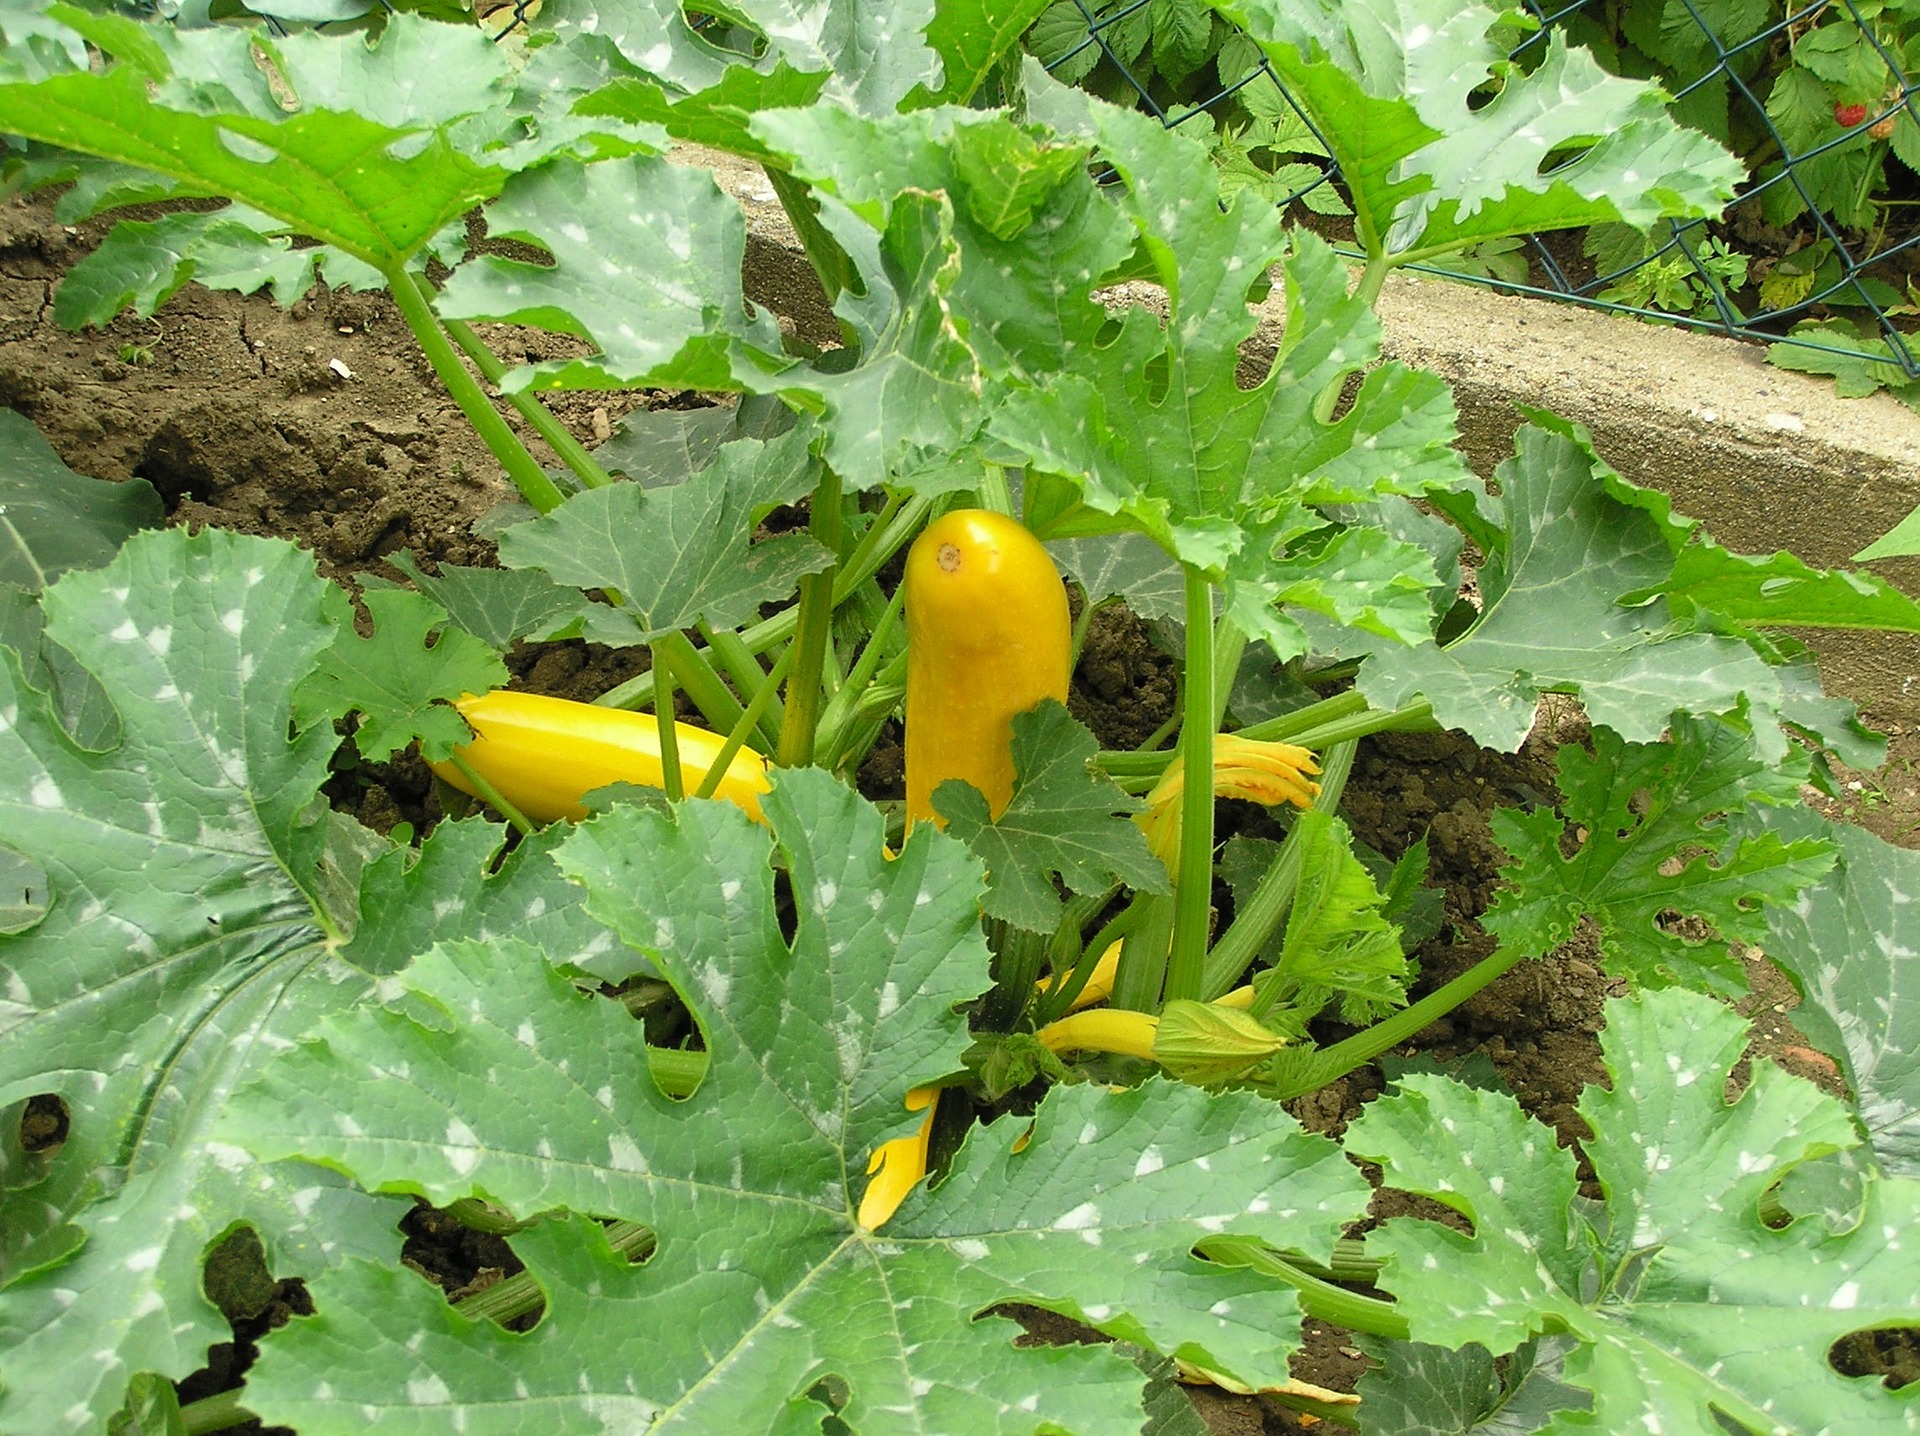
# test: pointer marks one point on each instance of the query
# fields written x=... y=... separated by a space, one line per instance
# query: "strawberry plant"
x=893 y=1103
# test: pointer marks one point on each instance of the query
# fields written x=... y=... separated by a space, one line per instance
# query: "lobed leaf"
x=762 y=1285
x=1849 y=943
x=1064 y=818
x=1683 y=1307
x=1658 y=845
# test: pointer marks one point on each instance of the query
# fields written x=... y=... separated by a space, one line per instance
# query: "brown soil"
x=240 y=415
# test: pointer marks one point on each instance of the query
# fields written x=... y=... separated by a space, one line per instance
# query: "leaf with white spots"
x=1153 y=421
x=763 y=1285
x=1850 y=944
x=372 y=146
x=645 y=268
x=1398 y=90
x=1658 y=838
x=1560 y=549
x=193 y=885
x=855 y=54
x=1678 y=1297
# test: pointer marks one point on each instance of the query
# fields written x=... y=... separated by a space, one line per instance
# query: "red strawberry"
x=1847 y=116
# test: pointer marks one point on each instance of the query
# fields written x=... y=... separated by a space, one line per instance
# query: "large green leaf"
x=646 y=267
x=1657 y=853
x=1433 y=165
x=679 y=555
x=1850 y=944
x=764 y=1294
x=1153 y=421
x=1681 y=1300
x=198 y=894
x=870 y=56
x=367 y=152
x=52 y=519
x=1560 y=551
x=1063 y=818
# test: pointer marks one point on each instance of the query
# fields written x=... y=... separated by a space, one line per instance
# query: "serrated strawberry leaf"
x=1684 y=1305
x=679 y=555
x=198 y=896
x=646 y=267
x=1063 y=818
x=400 y=678
x=1849 y=943
x=1433 y=165
x=763 y=1285
x=1658 y=850
x=1559 y=551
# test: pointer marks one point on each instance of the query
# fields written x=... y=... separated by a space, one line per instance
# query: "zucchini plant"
x=259 y=1016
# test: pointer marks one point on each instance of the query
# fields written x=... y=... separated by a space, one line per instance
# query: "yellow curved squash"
x=544 y=754
x=987 y=637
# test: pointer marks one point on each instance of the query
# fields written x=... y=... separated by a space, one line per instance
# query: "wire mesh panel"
x=1817 y=100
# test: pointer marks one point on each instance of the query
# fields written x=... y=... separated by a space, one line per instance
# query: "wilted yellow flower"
x=898 y=1165
x=1260 y=772
x=1205 y=1042
x=1104 y=1029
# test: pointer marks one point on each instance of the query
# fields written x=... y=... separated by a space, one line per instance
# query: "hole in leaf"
x=1891 y=1353
x=786 y=910
x=832 y=1392
x=1158 y=372
x=44 y=1124
x=462 y=1260
x=1108 y=334
x=235 y=1277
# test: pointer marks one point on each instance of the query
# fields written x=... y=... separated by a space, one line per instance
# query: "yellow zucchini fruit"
x=988 y=636
x=544 y=754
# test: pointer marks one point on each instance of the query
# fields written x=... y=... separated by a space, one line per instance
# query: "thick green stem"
x=749 y=720
x=522 y=468
x=742 y=667
x=1017 y=956
x=1193 y=890
x=670 y=779
x=214 y=1413
x=837 y=719
x=815 y=631
x=1320 y=1299
x=1143 y=961
x=1272 y=896
x=491 y=796
x=570 y=450
x=1331 y=720
x=1336 y=1061
x=1229 y=644
x=876 y=546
